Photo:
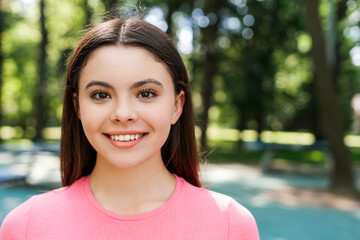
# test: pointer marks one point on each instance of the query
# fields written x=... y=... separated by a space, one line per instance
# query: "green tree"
x=342 y=178
x=1 y=60
x=88 y=12
x=209 y=63
x=261 y=49
x=41 y=86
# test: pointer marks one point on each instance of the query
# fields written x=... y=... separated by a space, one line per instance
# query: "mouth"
x=125 y=137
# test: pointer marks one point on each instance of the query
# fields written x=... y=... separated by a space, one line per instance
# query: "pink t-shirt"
x=73 y=213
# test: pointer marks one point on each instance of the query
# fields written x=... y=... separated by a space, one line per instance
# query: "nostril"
x=119 y=116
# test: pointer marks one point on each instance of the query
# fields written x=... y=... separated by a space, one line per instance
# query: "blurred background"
x=276 y=90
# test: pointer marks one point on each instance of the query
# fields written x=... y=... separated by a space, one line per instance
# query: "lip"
x=125 y=132
x=125 y=144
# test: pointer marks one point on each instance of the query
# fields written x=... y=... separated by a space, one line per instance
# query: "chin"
x=125 y=164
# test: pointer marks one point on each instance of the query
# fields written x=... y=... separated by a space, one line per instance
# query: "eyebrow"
x=98 y=83
x=146 y=81
x=135 y=85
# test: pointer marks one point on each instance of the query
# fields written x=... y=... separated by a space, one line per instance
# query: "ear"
x=178 y=108
x=75 y=101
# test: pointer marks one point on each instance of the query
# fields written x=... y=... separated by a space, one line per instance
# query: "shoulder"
x=16 y=223
x=241 y=223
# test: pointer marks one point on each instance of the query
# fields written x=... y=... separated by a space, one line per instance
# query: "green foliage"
x=265 y=74
x=19 y=69
x=21 y=38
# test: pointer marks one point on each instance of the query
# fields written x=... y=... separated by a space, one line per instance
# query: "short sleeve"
x=14 y=226
x=242 y=224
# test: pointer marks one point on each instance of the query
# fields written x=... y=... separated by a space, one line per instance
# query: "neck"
x=131 y=190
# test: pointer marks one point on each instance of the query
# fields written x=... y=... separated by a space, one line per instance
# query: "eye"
x=147 y=94
x=100 y=96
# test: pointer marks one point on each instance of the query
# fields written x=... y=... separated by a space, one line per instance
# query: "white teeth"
x=125 y=138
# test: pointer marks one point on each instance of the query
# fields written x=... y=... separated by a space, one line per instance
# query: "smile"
x=126 y=137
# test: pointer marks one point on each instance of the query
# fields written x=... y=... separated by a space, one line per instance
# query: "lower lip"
x=123 y=144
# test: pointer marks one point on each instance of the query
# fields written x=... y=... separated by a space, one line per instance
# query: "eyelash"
x=151 y=94
x=96 y=97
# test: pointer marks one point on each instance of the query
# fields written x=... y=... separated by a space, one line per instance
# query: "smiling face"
x=127 y=104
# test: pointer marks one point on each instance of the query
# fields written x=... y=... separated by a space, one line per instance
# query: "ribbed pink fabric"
x=73 y=213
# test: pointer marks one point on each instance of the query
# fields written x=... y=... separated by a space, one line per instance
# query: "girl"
x=129 y=163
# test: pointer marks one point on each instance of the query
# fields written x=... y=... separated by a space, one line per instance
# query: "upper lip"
x=129 y=132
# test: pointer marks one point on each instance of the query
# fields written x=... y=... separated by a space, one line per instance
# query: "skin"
x=125 y=91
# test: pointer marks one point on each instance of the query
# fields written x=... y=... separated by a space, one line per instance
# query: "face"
x=127 y=105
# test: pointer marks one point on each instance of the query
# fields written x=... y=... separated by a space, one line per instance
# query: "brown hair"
x=179 y=152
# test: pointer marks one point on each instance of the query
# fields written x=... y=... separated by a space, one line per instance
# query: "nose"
x=124 y=112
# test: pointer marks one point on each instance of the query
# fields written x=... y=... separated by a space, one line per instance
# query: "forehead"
x=109 y=50
x=123 y=63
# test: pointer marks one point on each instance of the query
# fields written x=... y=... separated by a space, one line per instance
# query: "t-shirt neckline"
x=166 y=205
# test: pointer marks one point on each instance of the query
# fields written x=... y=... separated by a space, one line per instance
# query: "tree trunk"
x=209 y=68
x=241 y=124
x=342 y=178
x=207 y=90
x=88 y=13
x=40 y=88
x=1 y=64
x=173 y=6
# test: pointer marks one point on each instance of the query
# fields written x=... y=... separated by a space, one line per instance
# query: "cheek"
x=159 y=115
x=92 y=116
x=159 y=118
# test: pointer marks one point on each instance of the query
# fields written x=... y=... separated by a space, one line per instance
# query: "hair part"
x=179 y=152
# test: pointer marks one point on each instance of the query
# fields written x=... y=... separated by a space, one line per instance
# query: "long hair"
x=179 y=153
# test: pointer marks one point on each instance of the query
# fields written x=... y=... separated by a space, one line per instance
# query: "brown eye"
x=147 y=94
x=100 y=96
